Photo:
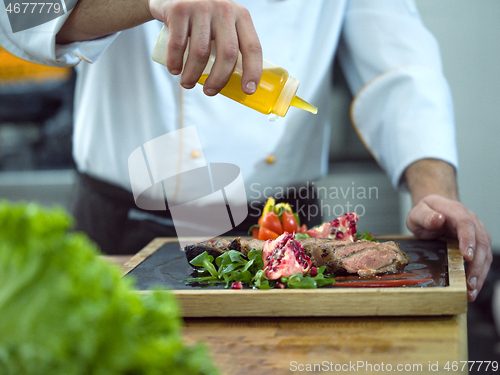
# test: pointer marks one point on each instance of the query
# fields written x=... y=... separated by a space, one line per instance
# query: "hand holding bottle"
x=228 y=24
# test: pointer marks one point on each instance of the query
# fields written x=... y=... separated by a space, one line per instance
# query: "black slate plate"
x=167 y=267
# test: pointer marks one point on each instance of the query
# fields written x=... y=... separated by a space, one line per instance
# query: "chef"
x=402 y=107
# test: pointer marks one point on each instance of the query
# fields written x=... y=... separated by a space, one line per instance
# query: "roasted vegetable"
x=275 y=220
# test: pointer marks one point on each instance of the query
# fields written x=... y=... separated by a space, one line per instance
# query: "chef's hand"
x=435 y=216
x=228 y=23
x=438 y=212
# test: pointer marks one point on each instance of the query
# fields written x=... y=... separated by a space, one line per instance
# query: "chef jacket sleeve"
x=402 y=109
x=38 y=44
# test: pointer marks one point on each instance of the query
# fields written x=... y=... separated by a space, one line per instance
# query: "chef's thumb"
x=423 y=218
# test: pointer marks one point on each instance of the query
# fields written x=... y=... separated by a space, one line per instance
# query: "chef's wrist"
x=431 y=176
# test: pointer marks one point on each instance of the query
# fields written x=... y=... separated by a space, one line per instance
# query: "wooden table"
x=366 y=345
x=281 y=345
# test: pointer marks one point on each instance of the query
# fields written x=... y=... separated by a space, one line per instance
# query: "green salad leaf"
x=365 y=236
x=234 y=266
x=298 y=281
x=204 y=260
x=65 y=310
x=231 y=266
x=307 y=281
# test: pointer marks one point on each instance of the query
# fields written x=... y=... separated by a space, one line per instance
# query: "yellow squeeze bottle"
x=275 y=92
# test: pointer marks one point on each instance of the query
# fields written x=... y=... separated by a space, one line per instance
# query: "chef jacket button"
x=195 y=154
x=270 y=159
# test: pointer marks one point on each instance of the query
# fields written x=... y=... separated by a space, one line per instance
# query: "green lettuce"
x=65 y=310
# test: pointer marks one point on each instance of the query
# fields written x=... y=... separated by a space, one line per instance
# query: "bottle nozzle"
x=302 y=104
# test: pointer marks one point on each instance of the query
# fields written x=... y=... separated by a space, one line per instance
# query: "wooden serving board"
x=162 y=263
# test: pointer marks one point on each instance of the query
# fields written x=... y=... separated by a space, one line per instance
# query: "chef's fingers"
x=460 y=222
x=251 y=51
x=199 y=49
x=425 y=222
x=177 y=19
x=233 y=31
x=474 y=240
x=465 y=227
x=226 y=52
x=478 y=268
x=476 y=272
x=224 y=21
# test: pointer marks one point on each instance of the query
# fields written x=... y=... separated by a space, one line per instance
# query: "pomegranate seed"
x=314 y=271
x=280 y=285
x=236 y=285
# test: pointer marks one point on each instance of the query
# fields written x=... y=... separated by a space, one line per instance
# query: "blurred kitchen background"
x=35 y=138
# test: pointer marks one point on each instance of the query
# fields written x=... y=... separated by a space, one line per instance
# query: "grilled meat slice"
x=322 y=252
x=235 y=244
x=329 y=253
x=344 y=251
x=214 y=247
x=366 y=258
x=385 y=257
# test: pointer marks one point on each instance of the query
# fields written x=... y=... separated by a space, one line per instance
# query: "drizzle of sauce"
x=387 y=283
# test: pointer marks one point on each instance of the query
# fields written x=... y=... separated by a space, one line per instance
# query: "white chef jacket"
x=402 y=108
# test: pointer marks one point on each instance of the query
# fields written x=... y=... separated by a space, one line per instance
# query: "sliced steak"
x=322 y=252
x=351 y=247
x=385 y=257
